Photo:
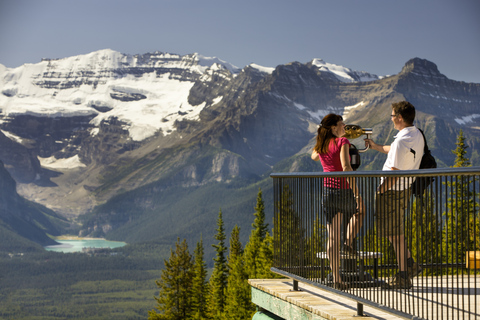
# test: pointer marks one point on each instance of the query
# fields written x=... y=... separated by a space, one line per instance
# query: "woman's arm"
x=315 y=156
x=345 y=158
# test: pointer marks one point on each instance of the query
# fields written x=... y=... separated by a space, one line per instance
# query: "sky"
x=377 y=36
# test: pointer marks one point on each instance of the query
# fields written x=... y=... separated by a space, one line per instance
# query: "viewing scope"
x=353 y=131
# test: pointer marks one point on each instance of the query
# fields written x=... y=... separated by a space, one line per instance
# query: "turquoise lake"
x=77 y=245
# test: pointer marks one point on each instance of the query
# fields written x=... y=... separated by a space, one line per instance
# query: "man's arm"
x=375 y=146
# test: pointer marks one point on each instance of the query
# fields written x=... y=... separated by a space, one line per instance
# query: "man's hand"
x=369 y=143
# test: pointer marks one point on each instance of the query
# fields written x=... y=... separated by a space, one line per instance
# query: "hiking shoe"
x=414 y=270
x=398 y=282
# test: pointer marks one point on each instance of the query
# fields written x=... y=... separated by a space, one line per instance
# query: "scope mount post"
x=367 y=133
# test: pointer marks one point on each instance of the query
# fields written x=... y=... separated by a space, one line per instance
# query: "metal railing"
x=441 y=231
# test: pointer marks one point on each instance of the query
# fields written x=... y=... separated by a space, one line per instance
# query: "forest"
x=39 y=284
x=148 y=279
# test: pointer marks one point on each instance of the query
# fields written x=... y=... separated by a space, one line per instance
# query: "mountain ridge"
x=162 y=122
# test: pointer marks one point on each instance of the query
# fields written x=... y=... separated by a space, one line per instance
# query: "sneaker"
x=414 y=270
x=398 y=282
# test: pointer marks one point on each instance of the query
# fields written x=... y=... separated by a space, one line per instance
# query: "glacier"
x=28 y=89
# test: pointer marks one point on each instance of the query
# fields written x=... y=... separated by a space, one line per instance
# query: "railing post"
x=295 y=285
x=360 y=310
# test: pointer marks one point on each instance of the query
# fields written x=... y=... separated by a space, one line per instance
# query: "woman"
x=341 y=197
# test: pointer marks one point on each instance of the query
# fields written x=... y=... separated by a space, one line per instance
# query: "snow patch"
x=343 y=74
x=261 y=68
x=210 y=61
x=361 y=103
x=465 y=120
x=217 y=100
x=68 y=163
x=319 y=114
x=299 y=106
x=340 y=72
x=347 y=109
x=13 y=137
x=94 y=131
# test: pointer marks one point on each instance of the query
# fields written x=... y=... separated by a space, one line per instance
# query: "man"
x=405 y=153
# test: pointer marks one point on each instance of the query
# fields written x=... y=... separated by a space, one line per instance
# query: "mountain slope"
x=79 y=114
x=443 y=107
x=271 y=120
x=24 y=218
x=136 y=141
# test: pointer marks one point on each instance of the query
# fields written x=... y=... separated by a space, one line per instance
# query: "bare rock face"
x=433 y=92
x=19 y=160
x=20 y=216
x=127 y=96
x=165 y=121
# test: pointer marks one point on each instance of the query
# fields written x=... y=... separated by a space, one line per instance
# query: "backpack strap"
x=425 y=148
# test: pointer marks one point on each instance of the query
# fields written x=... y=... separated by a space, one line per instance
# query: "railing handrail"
x=382 y=173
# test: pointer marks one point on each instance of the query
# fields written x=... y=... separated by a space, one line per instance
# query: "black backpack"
x=428 y=162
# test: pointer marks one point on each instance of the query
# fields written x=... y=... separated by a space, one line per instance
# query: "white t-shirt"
x=405 y=153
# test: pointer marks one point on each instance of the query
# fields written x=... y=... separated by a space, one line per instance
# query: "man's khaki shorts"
x=390 y=212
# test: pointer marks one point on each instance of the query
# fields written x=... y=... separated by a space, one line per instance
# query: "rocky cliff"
x=79 y=132
x=25 y=218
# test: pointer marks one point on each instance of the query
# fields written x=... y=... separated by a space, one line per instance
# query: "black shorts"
x=338 y=200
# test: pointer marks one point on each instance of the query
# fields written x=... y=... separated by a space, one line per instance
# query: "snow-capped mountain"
x=77 y=132
x=147 y=92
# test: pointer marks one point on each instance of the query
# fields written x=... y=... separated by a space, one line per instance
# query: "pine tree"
x=218 y=280
x=259 y=222
x=316 y=241
x=265 y=257
x=238 y=296
x=175 y=296
x=460 y=152
x=427 y=231
x=199 y=284
x=460 y=232
x=253 y=264
x=289 y=240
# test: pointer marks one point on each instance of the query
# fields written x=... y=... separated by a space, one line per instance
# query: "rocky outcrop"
x=127 y=96
x=422 y=83
x=211 y=122
x=19 y=160
x=24 y=218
